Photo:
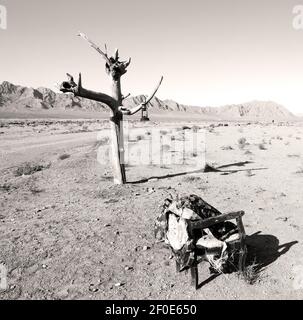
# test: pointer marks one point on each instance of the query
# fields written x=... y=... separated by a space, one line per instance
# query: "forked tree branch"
x=109 y=61
x=93 y=45
x=78 y=90
x=131 y=111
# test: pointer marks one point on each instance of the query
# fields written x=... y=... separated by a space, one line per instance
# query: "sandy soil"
x=66 y=232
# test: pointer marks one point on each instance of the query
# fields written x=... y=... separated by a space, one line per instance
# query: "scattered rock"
x=63 y=293
x=93 y=288
x=227 y=148
x=145 y=248
x=284 y=219
x=119 y=284
x=249 y=173
x=111 y=201
x=128 y=268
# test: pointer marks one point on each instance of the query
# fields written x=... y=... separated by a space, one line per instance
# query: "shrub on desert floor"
x=300 y=170
x=64 y=156
x=163 y=132
x=227 y=148
x=249 y=173
x=163 y=166
x=140 y=137
x=262 y=146
x=192 y=179
x=242 y=142
x=251 y=273
x=102 y=142
x=7 y=187
x=196 y=128
x=165 y=148
x=28 y=168
x=33 y=187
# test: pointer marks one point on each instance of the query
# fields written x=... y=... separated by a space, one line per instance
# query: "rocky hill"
x=16 y=98
x=251 y=110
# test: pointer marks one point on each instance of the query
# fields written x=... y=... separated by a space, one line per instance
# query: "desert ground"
x=67 y=232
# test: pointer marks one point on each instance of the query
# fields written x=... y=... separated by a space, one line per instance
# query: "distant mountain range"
x=16 y=98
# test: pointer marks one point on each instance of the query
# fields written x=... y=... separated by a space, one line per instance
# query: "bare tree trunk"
x=117 y=136
x=117 y=151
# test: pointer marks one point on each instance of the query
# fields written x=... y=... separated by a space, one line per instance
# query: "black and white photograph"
x=151 y=151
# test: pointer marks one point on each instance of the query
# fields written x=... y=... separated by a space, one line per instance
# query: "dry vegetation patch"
x=64 y=156
x=242 y=143
x=28 y=168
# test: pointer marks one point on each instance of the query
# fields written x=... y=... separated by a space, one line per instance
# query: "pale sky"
x=210 y=52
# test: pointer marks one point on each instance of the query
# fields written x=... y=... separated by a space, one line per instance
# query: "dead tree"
x=115 y=69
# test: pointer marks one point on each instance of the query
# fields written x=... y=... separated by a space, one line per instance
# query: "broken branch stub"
x=127 y=63
x=125 y=97
x=68 y=86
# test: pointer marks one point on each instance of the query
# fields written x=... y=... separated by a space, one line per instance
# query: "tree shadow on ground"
x=264 y=249
x=236 y=164
x=207 y=169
